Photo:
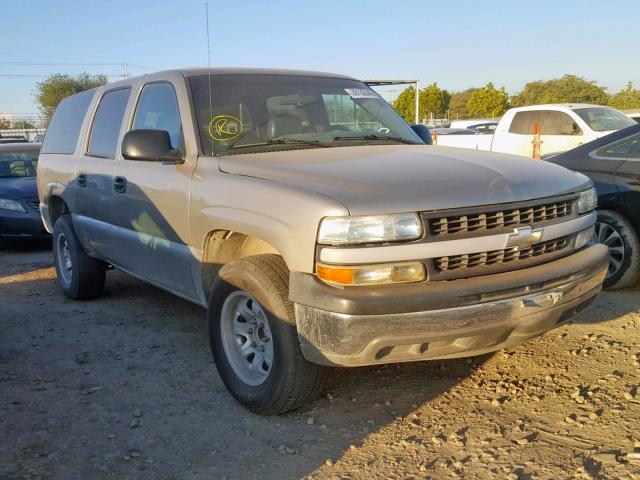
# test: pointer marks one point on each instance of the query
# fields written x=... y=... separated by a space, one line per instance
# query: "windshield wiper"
x=376 y=137
x=282 y=141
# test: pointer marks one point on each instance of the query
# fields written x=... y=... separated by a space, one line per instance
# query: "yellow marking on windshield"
x=223 y=128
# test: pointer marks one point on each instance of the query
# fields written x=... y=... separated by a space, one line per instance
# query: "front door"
x=152 y=200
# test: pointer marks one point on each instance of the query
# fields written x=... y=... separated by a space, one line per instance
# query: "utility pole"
x=417 y=101
x=126 y=70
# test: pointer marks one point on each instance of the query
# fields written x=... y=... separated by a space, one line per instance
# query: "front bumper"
x=21 y=226
x=448 y=319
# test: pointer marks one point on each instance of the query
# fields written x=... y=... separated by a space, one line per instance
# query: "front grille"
x=477 y=222
x=483 y=259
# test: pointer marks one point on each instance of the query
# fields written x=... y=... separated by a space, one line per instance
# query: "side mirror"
x=150 y=146
x=423 y=132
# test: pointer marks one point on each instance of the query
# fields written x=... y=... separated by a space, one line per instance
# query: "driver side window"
x=157 y=109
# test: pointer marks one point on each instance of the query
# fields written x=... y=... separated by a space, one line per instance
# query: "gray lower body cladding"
x=463 y=319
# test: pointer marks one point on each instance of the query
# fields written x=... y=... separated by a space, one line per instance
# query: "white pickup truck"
x=563 y=127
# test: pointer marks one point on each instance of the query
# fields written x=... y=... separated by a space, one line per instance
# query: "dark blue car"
x=19 y=205
x=613 y=163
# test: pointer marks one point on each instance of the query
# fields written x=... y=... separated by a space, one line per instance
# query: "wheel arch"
x=224 y=246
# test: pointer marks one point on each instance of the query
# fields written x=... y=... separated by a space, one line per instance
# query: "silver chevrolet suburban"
x=312 y=223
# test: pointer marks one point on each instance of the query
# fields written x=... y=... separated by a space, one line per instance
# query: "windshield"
x=602 y=119
x=18 y=164
x=259 y=113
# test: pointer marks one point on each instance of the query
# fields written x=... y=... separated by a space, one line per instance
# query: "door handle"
x=120 y=184
x=82 y=180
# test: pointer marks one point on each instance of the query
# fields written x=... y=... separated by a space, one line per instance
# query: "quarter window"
x=158 y=110
x=64 y=128
x=107 y=123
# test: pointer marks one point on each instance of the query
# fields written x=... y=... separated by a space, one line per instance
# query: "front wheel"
x=619 y=236
x=254 y=339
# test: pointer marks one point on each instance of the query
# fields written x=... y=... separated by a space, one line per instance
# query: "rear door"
x=152 y=200
x=95 y=216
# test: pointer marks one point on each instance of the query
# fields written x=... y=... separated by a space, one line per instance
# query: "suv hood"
x=408 y=178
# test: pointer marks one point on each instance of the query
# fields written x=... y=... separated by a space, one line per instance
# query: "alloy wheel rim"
x=611 y=238
x=65 y=263
x=246 y=338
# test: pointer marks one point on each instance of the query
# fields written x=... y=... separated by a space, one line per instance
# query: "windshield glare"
x=18 y=165
x=264 y=112
x=601 y=119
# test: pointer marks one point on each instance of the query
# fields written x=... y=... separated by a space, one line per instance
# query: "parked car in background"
x=449 y=131
x=563 y=127
x=471 y=122
x=13 y=139
x=19 y=205
x=613 y=163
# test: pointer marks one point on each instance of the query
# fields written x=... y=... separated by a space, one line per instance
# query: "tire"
x=248 y=293
x=80 y=277
x=620 y=237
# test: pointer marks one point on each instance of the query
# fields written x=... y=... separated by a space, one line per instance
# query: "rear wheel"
x=619 y=236
x=254 y=339
x=80 y=276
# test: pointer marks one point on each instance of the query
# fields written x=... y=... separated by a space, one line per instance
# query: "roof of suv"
x=195 y=71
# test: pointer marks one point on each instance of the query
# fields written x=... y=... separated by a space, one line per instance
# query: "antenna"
x=206 y=9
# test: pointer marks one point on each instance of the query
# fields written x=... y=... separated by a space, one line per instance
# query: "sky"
x=457 y=44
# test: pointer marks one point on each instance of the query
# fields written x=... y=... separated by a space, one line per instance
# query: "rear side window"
x=107 y=122
x=523 y=123
x=64 y=127
x=158 y=110
x=552 y=122
x=626 y=148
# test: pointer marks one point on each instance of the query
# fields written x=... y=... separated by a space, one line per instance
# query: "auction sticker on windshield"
x=361 y=93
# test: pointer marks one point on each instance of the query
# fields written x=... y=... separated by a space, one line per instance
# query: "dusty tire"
x=80 y=277
x=620 y=237
x=248 y=293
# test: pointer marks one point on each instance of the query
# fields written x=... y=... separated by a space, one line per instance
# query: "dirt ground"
x=124 y=388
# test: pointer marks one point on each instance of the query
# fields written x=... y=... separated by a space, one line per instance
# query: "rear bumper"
x=456 y=318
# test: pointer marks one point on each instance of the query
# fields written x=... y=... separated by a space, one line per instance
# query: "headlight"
x=588 y=200
x=372 y=274
x=369 y=229
x=7 y=204
x=584 y=237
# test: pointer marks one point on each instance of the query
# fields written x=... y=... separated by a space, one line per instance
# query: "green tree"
x=458 y=104
x=627 y=98
x=405 y=104
x=488 y=101
x=568 y=89
x=50 y=92
x=23 y=125
x=434 y=100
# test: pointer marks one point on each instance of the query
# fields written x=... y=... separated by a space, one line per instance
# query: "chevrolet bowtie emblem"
x=523 y=238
